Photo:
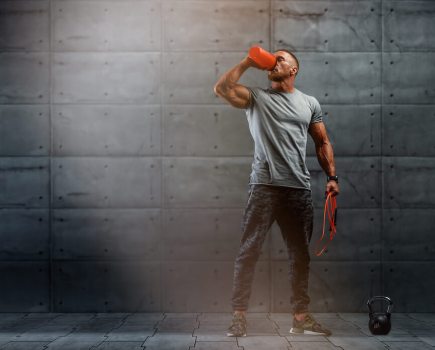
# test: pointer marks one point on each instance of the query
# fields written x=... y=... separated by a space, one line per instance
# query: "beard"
x=275 y=76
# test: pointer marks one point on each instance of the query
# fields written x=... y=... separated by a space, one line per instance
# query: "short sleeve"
x=254 y=92
x=316 y=115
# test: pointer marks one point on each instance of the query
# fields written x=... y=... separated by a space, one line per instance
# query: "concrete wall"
x=124 y=178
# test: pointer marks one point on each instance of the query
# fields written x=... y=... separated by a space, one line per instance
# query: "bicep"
x=318 y=133
x=238 y=96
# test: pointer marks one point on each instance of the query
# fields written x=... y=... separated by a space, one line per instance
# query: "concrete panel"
x=32 y=121
x=189 y=77
x=207 y=286
x=206 y=131
x=110 y=286
x=135 y=332
x=106 y=182
x=24 y=234
x=410 y=285
x=45 y=333
x=352 y=130
x=121 y=345
x=144 y=318
x=15 y=329
x=359 y=179
x=106 y=130
x=24 y=25
x=25 y=182
x=415 y=121
x=72 y=319
x=106 y=26
x=216 y=345
x=24 y=77
x=411 y=326
x=408 y=345
x=360 y=342
x=312 y=345
x=333 y=286
x=173 y=316
x=82 y=342
x=203 y=234
x=170 y=342
x=327 y=25
x=402 y=85
x=101 y=325
x=359 y=185
x=407 y=182
x=358 y=237
x=100 y=77
x=408 y=25
x=408 y=234
x=229 y=25
x=206 y=182
x=263 y=342
x=181 y=324
x=25 y=286
x=214 y=333
x=24 y=345
x=342 y=78
x=106 y=234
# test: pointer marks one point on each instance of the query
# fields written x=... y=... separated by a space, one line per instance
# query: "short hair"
x=294 y=57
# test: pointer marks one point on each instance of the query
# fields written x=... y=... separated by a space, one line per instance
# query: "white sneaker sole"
x=305 y=332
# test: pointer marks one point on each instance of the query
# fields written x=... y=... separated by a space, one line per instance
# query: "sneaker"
x=308 y=326
x=237 y=327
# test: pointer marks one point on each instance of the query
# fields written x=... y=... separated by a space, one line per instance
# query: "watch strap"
x=334 y=177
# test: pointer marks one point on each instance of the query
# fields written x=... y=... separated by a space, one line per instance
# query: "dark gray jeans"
x=293 y=210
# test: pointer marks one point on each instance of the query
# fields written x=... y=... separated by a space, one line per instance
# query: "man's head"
x=287 y=66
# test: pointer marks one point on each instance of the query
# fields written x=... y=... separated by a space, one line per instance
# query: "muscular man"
x=279 y=118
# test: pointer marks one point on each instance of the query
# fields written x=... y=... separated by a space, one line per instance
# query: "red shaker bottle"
x=263 y=58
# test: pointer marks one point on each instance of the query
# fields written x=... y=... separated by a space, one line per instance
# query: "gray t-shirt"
x=278 y=122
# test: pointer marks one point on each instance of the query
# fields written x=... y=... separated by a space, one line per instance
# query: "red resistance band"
x=331 y=209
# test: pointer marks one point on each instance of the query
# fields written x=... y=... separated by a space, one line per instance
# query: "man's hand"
x=249 y=62
x=332 y=186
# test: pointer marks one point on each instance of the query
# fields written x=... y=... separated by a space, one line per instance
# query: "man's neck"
x=283 y=86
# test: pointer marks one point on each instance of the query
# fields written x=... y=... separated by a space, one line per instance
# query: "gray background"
x=123 y=177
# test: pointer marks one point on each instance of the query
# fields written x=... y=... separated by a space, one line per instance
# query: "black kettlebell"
x=380 y=323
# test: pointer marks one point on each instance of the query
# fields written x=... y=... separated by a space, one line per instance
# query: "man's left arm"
x=325 y=154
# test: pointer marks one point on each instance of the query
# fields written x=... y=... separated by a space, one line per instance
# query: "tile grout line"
x=162 y=204
x=51 y=306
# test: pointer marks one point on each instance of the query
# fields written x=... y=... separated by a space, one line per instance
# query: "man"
x=279 y=118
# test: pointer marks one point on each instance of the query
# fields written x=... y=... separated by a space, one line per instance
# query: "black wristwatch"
x=329 y=178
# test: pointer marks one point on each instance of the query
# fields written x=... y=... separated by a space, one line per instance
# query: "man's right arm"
x=228 y=88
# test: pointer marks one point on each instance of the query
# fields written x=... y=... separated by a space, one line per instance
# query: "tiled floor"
x=205 y=331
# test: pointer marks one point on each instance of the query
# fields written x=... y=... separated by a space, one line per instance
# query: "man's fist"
x=332 y=186
x=251 y=63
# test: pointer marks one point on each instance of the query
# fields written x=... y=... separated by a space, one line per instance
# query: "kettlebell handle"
x=379 y=297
